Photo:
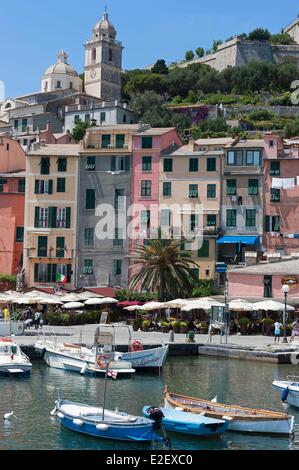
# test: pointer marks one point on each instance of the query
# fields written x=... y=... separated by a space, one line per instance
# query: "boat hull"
x=292 y=397
x=140 y=431
x=147 y=358
x=18 y=369
x=73 y=364
x=180 y=422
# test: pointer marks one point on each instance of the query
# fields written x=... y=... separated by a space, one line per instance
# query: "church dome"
x=105 y=28
x=61 y=66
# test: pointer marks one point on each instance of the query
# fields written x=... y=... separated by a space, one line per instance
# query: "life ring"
x=101 y=361
x=136 y=346
x=5 y=340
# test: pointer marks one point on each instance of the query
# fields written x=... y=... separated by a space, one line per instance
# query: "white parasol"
x=93 y=301
x=71 y=305
x=152 y=306
x=240 y=305
x=272 y=305
x=204 y=304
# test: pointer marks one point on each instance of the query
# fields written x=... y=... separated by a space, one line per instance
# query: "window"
x=87 y=118
x=106 y=141
x=193 y=191
x=62 y=165
x=167 y=165
x=22 y=185
x=274 y=195
x=42 y=247
x=146 y=188
x=193 y=222
x=110 y=55
x=253 y=187
x=117 y=267
x=60 y=217
x=145 y=219
x=90 y=202
x=41 y=219
x=120 y=164
x=146 y=164
x=94 y=54
x=24 y=125
x=167 y=189
x=88 y=266
x=124 y=118
x=147 y=142
x=61 y=185
x=204 y=251
x=271 y=143
x=231 y=217
x=45 y=166
x=253 y=158
x=20 y=234
x=76 y=119
x=103 y=117
x=235 y=157
x=120 y=141
x=250 y=218
x=91 y=164
x=231 y=187
x=48 y=272
x=89 y=237
x=211 y=191
x=119 y=201
x=3 y=181
x=43 y=187
x=46 y=86
x=118 y=237
x=60 y=247
x=268 y=286
x=274 y=168
x=165 y=218
x=211 y=164
x=71 y=85
x=211 y=220
x=16 y=124
x=272 y=223
x=195 y=272
x=193 y=164
x=58 y=84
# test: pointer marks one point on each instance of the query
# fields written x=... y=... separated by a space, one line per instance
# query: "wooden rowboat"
x=242 y=419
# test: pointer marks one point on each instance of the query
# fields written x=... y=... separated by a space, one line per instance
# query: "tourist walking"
x=37 y=317
x=277 y=329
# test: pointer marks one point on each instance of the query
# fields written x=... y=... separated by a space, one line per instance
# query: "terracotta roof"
x=284 y=268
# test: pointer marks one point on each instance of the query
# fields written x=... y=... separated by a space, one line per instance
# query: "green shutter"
x=231 y=187
x=253 y=187
x=52 y=217
x=36 y=188
x=113 y=163
x=69 y=273
x=204 y=251
x=36 y=273
x=211 y=164
x=50 y=187
x=42 y=247
x=60 y=247
x=127 y=163
x=49 y=272
x=36 y=217
x=68 y=217
x=267 y=223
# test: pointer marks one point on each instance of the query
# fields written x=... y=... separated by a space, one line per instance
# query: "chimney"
x=49 y=127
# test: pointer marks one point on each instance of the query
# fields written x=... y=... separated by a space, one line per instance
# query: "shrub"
x=183 y=324
x=145 y=324
x=268 y=320
x=244 y=321
x=204 y=288
x=164 y=324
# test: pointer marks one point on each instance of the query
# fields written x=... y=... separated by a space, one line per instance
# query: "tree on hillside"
x=283 y=38
x=259 y=34
x=216 y=43
x=200 y=52
x=80 y=130
x=189 y=55
x=292 y=129
x=160 y=67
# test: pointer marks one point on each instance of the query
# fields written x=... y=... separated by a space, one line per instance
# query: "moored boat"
x=243 y=419
x=187 y=423
x=12 y=360
x=290 y=390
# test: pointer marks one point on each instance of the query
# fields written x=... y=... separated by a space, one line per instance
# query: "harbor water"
x=233 y=381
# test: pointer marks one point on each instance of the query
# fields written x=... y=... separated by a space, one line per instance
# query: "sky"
x=33 y=31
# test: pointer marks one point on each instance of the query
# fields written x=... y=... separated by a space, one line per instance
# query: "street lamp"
x=285 y=290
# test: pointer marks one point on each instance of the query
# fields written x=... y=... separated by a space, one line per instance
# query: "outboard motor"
x=156 y=414
x=284 y=394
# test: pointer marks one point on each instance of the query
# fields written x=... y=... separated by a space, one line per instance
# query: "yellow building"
x=51 y=215
x=192 y=176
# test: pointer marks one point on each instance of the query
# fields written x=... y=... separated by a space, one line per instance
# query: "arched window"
x=110 y=55
x=94 y=54
x=8 y=106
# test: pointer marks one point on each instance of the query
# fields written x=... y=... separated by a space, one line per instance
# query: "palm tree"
x=163 y=267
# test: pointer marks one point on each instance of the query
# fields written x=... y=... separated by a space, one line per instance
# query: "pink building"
x=12 y=201
x=48 y=137
x=281 y=195
x=148 y=144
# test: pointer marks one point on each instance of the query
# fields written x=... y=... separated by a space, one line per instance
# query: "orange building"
x=12 y=201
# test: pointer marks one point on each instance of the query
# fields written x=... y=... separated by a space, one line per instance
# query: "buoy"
x=284 y=394
x=84 y=368
x=78 y=422
x=102 y=427
x=8 y=416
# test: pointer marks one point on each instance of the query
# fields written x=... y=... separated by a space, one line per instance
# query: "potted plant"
x=268 y=325
x=146 y=325
x=183 y=327
x=176 y=326
x=244 y=322
x=289 y=328
x=203 y=328
x=137 y=324
x=164 y=326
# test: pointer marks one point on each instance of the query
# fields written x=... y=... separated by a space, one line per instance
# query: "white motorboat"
x=76 y=358
x=12 y=360
x=290 y=390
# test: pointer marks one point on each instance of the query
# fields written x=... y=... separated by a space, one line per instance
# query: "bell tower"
x=103 y=62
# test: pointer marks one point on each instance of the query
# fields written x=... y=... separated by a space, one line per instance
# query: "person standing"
x=6 y=314
x=37 y=317
x=277 y=328
x=295 y=329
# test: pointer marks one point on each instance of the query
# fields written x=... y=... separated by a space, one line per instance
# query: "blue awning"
x=238 y=239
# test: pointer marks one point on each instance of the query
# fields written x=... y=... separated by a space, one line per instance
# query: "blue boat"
x=115 y=425
x=187 y=423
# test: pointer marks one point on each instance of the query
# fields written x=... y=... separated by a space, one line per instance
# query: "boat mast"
x=105 y=388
